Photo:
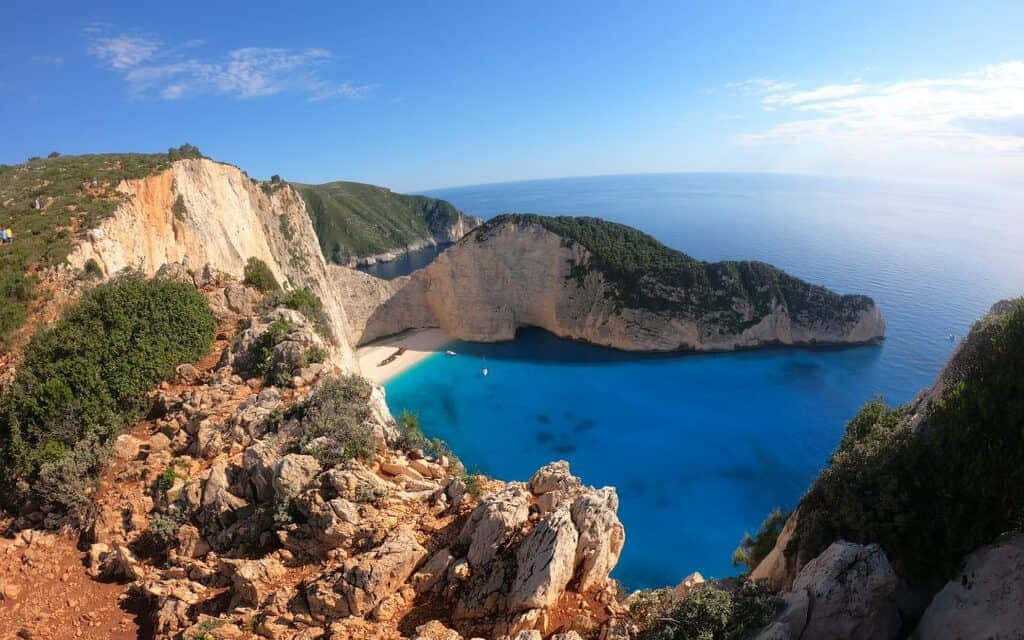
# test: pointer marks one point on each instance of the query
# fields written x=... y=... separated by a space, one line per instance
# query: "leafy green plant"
x=92 y=270
x=314 y=355
x=259 y=276
x=84 y=379
x=178 y=208
x=305 y=302
x=332 y=423
x=706 y=612
x=260 y=356
x=754 y=548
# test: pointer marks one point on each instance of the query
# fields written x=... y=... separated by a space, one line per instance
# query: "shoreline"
x=418 y=344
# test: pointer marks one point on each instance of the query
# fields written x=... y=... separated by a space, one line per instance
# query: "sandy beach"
x=418 y=344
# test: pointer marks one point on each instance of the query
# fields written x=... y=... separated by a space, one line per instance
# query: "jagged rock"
x=493 y=522
x=434 y=630
x=293 y=474
x=568 y=635
x=985 y=601
x=240 y=299
x=433 y=571
x=118 y=564
x=551 y=477
x=687 y=584
x=216 y=494
x=126 y=446
x=774 y=568
x=601 y=536
x=545 y=562
x=531 y=634
x=365 y=580
x=191 y=543
x=253 y=579
x=259 y=460
x=849 y=592
x=356 y=482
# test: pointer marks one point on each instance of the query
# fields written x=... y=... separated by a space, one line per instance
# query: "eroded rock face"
x=849 y=592
x=364 y=581
x=488 y=285
x=985 y=601
x=515 y=571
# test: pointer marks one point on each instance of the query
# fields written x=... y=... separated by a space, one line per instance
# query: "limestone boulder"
x=493 y=523
x=293 y=474
x=545 y=563
x=364 y=581
x=985 y=601
x=849 y=592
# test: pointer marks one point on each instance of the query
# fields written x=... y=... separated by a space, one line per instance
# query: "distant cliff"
x=607 y=284
x=362 y=224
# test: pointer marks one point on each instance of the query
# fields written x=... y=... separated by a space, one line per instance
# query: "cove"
x=702 y=447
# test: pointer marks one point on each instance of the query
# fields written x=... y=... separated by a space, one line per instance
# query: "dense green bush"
x=332 y=424
x=707 y=612
x=929 y=496
x=259 y=358
x=754 y=548
x=259 y=276
x=87 y=377
x=305 y=302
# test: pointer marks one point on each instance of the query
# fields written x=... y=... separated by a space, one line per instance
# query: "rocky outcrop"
x=529 y=548
x=849 y=592
x=201 y=213
x=505 y=276
x=985 y=601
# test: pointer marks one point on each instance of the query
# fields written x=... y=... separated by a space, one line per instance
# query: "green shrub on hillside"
x=707 y=612
x=305 y=302
x=87 y=377
x=332 y=424
x=259 y=276
x=260 y=356
x=754 y=548
x=930 y=496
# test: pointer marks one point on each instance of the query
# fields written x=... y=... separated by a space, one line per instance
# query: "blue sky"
x=422 y=95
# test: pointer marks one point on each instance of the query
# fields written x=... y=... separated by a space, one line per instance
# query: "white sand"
x=418 y=344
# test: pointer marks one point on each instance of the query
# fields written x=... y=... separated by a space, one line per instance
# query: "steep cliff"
x=199 y=212
x=610 y=285
x=363 y=224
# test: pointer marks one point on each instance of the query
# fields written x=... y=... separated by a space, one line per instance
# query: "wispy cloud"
x=758 y=86
x=151 y=68
x=979 y=111
x=51 y=61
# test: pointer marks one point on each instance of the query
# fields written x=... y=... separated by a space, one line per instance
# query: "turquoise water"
x=701 y=447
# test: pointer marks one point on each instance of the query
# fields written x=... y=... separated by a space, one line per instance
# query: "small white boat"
x=484 y=371
x=449 y=353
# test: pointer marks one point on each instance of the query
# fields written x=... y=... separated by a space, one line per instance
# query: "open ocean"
x=702 y=447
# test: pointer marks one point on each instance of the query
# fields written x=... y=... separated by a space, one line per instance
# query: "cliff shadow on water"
x=544 y=346
x=406 y=263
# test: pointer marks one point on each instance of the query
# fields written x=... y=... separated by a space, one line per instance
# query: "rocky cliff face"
x=203 y=213
x=513 y=275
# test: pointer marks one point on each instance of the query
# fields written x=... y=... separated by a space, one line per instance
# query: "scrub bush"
x=83 y=380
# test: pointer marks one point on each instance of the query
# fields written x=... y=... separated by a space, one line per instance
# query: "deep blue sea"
x=702 y=447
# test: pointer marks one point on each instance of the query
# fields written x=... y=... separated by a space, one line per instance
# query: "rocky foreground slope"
x=607 y=284
x=225 y=514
